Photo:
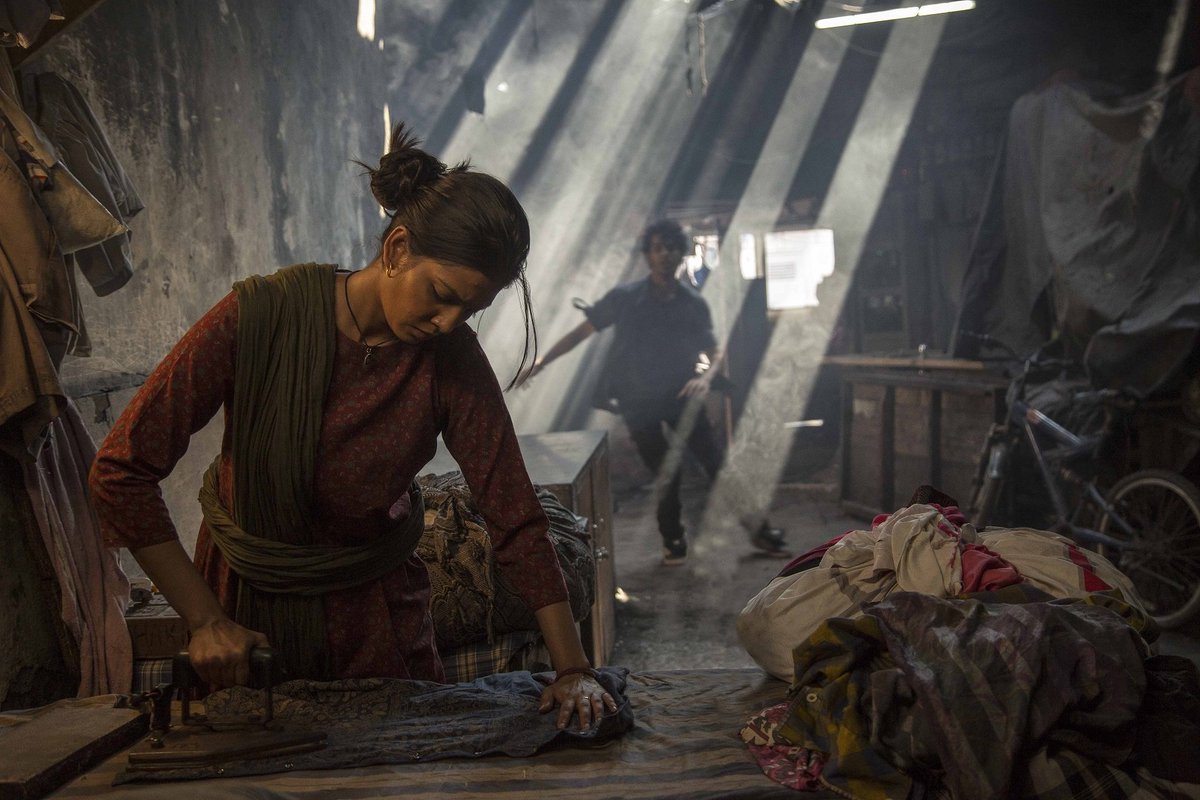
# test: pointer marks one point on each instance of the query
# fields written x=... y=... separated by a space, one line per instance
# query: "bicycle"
x=1147 y=523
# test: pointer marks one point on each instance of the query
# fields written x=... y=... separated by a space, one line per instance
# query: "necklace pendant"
x=368 y=351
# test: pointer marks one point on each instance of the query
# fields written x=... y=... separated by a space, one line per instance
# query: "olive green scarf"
x=285 y=347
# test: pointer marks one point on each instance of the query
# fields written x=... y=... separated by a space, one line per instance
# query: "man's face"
x=661 y=259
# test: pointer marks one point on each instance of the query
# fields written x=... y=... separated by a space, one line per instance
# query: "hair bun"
x=404 y=171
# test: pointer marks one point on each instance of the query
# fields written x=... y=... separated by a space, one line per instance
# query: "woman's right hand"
x=220 y=652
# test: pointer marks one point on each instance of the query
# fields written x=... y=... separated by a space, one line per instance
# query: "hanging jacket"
x=63 y=113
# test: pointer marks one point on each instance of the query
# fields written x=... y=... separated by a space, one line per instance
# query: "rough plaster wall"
x=238 y=123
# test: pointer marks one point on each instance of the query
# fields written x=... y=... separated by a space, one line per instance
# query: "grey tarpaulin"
x=1098 y=195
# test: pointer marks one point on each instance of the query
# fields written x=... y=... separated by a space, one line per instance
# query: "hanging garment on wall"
x=39 y=662
x=21 y=21
x=63 y=113
x=8 y=79
x=79 y=219
x=94 y=589
x=36 y=295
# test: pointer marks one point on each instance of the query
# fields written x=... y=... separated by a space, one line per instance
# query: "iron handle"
x=263 y=675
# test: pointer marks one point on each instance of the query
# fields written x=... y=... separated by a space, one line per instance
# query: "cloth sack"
x=470 y=601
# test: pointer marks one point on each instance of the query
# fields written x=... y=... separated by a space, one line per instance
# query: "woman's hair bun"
x=403 y=171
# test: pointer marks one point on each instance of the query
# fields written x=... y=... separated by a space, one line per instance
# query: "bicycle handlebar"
x=1109 y=397
x=1037 y=361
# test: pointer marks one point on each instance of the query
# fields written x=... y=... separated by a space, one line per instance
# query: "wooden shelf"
x=905 y=362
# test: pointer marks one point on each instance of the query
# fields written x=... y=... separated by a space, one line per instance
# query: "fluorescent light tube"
x=907 y=12
x=946 y=8
x=870 y=16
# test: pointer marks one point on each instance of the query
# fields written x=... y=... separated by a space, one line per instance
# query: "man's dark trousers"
x=646 y=429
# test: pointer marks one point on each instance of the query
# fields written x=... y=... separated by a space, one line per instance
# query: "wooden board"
x=912 y=437
x=863 y=459
x=44 y=749
x=906 y=362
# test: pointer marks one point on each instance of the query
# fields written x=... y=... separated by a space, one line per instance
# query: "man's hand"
x=698 y=386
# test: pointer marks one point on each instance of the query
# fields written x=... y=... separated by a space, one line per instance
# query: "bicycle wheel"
x=1163 y=557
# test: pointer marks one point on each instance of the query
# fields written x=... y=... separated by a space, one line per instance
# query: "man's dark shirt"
x=657 y=343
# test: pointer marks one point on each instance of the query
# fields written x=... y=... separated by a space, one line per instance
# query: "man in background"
x=660 y=367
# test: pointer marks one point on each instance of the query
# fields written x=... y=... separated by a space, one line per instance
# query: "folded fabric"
x=794 y=767
x=469 y=601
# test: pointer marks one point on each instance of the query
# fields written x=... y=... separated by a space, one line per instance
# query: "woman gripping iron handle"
x=335 y=387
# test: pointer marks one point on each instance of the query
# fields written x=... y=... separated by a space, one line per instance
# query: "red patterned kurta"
x=379 y=429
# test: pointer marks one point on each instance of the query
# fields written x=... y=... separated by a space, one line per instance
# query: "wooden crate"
x=867 y=426
x=574 y=466
x=156 y=629
x=902 y=428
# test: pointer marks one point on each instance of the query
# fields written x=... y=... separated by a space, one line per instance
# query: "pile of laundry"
x=929 y=659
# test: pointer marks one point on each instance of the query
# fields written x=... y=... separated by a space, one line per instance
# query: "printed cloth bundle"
x=470 y=601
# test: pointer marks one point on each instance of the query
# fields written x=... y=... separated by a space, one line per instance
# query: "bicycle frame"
x=1147 y=523
x=1049 y=462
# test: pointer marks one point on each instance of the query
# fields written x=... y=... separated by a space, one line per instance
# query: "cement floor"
x=683 y=617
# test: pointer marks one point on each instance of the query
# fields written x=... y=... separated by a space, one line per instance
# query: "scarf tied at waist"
x=280 y=584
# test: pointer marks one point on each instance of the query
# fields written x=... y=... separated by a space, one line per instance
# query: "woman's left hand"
x=577 y=694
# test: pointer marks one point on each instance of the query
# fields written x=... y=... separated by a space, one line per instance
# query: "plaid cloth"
x=830 y=698
x=1067 y=775
x=150 y=672
x=511 y=652
x=924 y=686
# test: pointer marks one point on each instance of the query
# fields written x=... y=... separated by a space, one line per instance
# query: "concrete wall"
x=238 y=123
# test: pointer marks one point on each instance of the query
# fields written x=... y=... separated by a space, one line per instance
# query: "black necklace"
x=368 y=349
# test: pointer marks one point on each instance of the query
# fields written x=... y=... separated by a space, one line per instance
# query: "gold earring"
x=390 y=270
